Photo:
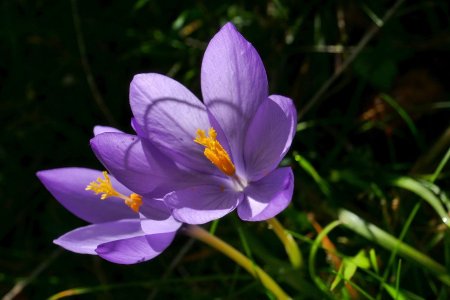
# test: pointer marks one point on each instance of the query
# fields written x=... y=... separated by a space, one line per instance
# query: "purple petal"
x=86 y=239
x=154 y=209
x=140 y=166
x=137 y=129
x=158 y=219
x=68 y=186
x=269 y=136
x=170 y=224
x=135 y=250
x=160 y=228
x=266 y=198
x=234 y=84
x=134 y=162
x=170 y=115
x=102 y=129
x=201 y=204
x=121 y=242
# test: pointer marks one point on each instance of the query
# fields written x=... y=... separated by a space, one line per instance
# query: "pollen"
x=215 y=152
x=104 y=187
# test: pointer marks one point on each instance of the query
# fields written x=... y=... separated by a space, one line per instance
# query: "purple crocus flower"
x=208 y=158
x=120 y=234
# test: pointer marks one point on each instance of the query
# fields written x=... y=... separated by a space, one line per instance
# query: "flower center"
x=104 y=187
x=215 y=152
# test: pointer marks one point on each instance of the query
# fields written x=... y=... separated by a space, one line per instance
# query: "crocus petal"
x=156 y=217
x=266 y=198
x=234 y=84
x=159 y=227
x=154 y=209
x=201 y=204
x=68 y=186
x=86 y=239
x=137 y=128
x=269 y=136
x=102 y=129
x=135 y=250
x=136 y=163
x=170 y=224
x=170 y=115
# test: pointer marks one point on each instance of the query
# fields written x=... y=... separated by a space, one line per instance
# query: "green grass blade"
x=312 y=255
x=389 y=242
x=417 y=188
x=309 y=168
x=441 y=166
x=405 y=116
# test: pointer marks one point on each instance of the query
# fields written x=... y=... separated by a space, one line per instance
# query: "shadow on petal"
x=267 y=197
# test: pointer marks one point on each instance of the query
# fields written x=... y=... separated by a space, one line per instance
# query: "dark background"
x=48 y=110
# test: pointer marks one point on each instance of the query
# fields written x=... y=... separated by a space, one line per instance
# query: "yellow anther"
x=215 y=152
x=103 y=186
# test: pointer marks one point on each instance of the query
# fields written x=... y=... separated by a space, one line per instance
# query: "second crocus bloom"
x=118 y=233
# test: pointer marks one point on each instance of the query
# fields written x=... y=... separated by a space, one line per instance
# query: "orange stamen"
x=104 y=187
x=215 y=152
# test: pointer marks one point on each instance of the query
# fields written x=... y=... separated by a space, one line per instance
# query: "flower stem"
x=291 y=247
x=213 y=241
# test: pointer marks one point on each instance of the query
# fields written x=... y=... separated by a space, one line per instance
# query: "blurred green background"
x=384 y=114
